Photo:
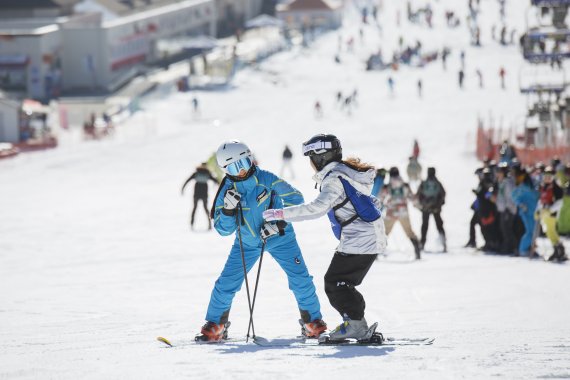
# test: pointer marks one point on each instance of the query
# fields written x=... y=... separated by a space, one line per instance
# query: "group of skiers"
x=515 y=203
x=395 y=194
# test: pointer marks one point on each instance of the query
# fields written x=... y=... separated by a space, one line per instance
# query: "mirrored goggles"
x=235 y=167
x=316 y=148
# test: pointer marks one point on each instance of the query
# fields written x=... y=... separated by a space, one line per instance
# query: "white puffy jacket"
x=358 y=237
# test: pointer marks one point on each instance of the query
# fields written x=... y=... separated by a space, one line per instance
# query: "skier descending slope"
x=343 y=188
x=244 y=194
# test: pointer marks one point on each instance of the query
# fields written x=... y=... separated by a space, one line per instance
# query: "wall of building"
x=84 y=60
x=42 y=50
x=9 y=127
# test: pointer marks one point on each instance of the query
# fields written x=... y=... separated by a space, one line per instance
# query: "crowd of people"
x=514 y=204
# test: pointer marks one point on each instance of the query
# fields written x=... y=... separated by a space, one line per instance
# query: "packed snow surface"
x=97 y=258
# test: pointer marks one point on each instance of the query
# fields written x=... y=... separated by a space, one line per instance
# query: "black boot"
x=417 y=248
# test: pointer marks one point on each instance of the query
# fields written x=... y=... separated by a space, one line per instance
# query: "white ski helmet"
x=234 y=156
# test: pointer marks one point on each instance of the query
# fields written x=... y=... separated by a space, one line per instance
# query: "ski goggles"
x=317 y=148
x=237 y=166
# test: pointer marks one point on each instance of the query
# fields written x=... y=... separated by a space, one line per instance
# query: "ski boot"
x=312 y=329
x=559 y=253
x=349 y=329
x=213 y=333
x=443 y=242
x=470 y=244
x=417 y=249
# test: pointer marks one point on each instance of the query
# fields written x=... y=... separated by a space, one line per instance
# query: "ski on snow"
x=372 y=339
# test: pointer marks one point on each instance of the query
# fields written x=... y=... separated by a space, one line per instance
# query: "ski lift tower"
x=545 y=47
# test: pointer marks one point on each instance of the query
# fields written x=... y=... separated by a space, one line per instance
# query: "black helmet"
x=431 y=172
x=394 y=172
x=503 y=168
x=323 y=149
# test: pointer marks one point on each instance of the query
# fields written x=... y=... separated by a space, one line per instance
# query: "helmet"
x=549 y=170
x=233 y=157
x=394 y=172
x=431 y=172
x=323 y=149
x=503 y=168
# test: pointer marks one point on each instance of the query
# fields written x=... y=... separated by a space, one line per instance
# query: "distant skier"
x=243 y=195
x=462 y=58
x=201 y=177
x=339 y=98
x=391 y=85
x=461 y=78
x=502 y=74
x=360 y=241
x=480 y=77
x=414 y=169
x=395 y=195
x=416 y=149
x=444 y=54
x=431 y=197
x=195 y=106
x=318 y=110
x=287 y=158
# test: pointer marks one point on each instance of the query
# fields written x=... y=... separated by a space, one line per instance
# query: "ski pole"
x=238 y=222
x=250 y=325
x=272 y=194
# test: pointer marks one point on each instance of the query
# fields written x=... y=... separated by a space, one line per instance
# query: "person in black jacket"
x=431 y=197
x=201 y=177
x=487 y=211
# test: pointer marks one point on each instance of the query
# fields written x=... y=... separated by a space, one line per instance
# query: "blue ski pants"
x=526 y=240
x=286 y=251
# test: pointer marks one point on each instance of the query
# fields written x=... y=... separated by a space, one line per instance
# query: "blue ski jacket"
x=255 y=198
x=526 y=199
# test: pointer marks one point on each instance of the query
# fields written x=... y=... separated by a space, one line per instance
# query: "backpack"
x=363 y=204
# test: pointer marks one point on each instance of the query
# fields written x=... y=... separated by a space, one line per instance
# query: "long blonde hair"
x=357 y=164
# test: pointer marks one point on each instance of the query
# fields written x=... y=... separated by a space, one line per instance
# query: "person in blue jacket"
x=526 y=198
x=243 y=195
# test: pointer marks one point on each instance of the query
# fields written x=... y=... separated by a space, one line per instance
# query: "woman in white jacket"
x=360 y=241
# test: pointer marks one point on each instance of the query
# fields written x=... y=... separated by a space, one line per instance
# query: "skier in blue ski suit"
x=526 y=199
x=257 y=191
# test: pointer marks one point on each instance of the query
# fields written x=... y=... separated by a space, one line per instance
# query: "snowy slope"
x=96 y=258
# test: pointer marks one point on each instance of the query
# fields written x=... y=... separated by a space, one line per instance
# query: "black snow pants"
x=506 y=220
x=204 y=200
x=425 y=224
x=344 y=274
